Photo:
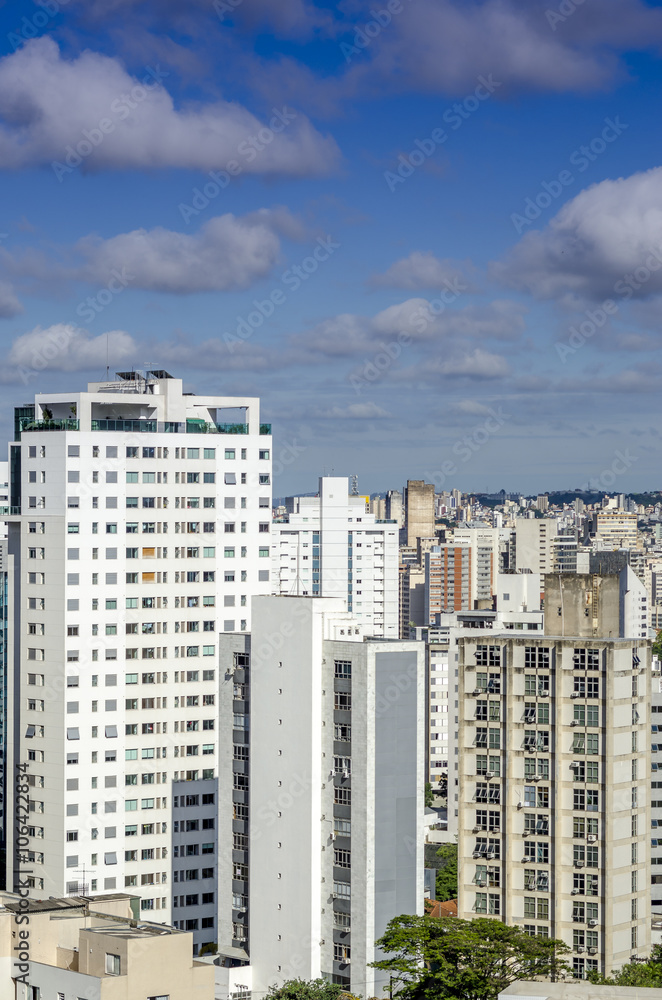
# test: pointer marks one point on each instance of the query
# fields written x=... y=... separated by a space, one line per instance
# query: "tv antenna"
x=355 y=485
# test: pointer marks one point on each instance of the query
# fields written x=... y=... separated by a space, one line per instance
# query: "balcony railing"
x=135 y=426
x=265 y=428
x=7 y=511
x=202 y=427
x=27 y=424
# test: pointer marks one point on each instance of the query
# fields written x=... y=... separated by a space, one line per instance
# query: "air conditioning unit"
x=345 y=772
x=579 y=864
x=576 y=694
x=592 y=837
x=477 y=691
x=574 y=764
x=536 y=777
x=574 y=892
x=520 y=805
x=334 y=895
x=490 y=855
x=580 y=949
x=333 y=835
x=488 y=775
x=480 y=882
x=592 y=951
x=476 y=854
x=575 y=722
x=526 y=860
x=592 y=923
x=476 y=829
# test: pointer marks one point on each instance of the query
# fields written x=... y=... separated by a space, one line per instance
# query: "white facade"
x=535 y=544
x=143 y=532
x=332 y=792
x=332 y=546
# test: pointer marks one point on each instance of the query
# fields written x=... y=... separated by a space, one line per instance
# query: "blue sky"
x=489 y=316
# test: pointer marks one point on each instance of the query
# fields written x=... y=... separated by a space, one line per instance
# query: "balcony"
x=265 y=428
x=9 y=511
x=195 y=426
x=135 y=426
x=67 y=424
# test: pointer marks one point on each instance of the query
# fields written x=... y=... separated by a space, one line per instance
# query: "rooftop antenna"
x=107 y=356
x=355 y=485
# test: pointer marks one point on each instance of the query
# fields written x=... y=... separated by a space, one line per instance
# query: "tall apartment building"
x=321 y=795
x=462 y=572
x=614 y=529
x=419 y=510
x=330 y=546
x=139 y=529
x=395 y=510
x=554 y=810
x=535 y=544
x=656 y=790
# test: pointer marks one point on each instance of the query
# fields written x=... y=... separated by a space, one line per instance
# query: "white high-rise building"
x=322 y=797
x=140 y=530
x=331 y=546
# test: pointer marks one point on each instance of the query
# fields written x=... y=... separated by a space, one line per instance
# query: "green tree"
x=432 y=958
x=446 y=880
x=302 y=989
x=645 y=974
x=657 y=645
x=429 y=797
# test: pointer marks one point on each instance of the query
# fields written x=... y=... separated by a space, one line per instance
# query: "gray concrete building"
x=419 y=510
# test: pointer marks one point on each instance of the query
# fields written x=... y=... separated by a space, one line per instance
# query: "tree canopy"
x=306 y=989
x=636 y=973
x=446 y=878
x=431 y=958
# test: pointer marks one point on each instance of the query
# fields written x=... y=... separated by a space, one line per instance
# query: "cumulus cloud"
x=228 y=252
x=66 y=348
x=476 y=364
x=9 y=304
x=444 y=45
x=422 y=270
x=357 y=411
x=604 y=243
x=49 y=103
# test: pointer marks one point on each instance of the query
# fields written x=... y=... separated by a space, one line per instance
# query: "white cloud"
x=228 y=252
x=357 y=411
x=48 y=103
x=67 y=348
x=9 y=304
x=476 y=364
x=422 y=270
x=595 y=242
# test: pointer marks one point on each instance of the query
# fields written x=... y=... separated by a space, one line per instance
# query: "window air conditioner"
x=592 y=951
x=592 y=923
x=488 y=775
x=575 y=722
x=574 y=892
x=576 y=694
x=580 y=949
x=592 y=837
x=579 y=864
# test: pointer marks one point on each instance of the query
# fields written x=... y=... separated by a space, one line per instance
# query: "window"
x=112 y=965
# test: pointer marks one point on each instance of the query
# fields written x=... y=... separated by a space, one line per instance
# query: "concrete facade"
x=419 y=510
x=554 y=812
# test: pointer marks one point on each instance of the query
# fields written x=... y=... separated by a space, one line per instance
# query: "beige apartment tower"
x=419 y=510
x=553 y=791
